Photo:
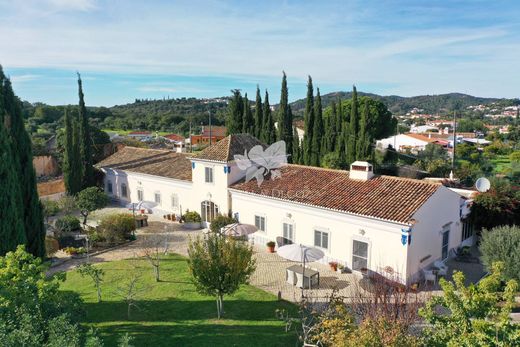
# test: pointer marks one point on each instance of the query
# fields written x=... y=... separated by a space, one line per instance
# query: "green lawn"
x=172 y=313
x=502 y=164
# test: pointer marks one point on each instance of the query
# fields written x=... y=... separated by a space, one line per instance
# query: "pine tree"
x=269 y=131
x=71 y=164
x=363 y=143
x=353 y=128
x=317 y=131
x=85 y=141
x=259 y=115
x=235 y=113
x=12 y=230
x=248 y=123
x=309 y=123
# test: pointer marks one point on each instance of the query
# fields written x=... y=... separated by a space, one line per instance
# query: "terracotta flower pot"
x=270 y=249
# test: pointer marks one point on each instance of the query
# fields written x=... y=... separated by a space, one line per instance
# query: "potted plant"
x=191 y=220
x=270 y=246
x=341 y=268
x=333 y=266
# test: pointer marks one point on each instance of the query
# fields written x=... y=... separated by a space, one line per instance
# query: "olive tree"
x=91 y=199
x=502 y=244
x=95 y=273
x=219 y=266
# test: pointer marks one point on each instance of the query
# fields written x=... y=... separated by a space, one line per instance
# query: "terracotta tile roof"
x=150 y=161
x=225 y=149
x=420 y=137
x=216 y=131
x=174 y=137
x=382 y=197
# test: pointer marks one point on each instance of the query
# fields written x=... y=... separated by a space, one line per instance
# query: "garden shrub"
x=191 y=217
x=117 y=227
x=221 y=221
x=67 y=204
x=50 y=207
x=502 y=244
x=67 y=224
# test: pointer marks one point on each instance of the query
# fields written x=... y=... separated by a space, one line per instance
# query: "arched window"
x=208 y=211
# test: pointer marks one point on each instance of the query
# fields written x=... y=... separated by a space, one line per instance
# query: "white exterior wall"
x=150 y=185
x=384 y=238
x=401 y=140
x=441 y=209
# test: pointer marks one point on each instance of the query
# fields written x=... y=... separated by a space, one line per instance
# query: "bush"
x=67 y=224
x=221 y=221
x=95 y=235
x=191 y=217
x=502 y=244
x=117 y=227
x=74 y=250
x=67 y=204
x=50 y=207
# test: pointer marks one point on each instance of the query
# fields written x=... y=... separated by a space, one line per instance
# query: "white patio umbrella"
x=238 y=229
x=300 y=253
x=148 y=205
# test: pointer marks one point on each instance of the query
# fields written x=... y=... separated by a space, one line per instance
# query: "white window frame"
x=322 y=231
x=140 y=191
x=261 y=216
x=174 y=199
x=369 y=248
x=212 y=168
x=155 y=194
x=293 y=236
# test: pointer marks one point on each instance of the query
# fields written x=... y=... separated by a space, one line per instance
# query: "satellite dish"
x=483 y=184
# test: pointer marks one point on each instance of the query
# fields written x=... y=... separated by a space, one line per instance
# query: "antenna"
x=482 y=184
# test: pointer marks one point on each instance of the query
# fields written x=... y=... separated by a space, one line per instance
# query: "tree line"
x=334 y=136
x=21 y=216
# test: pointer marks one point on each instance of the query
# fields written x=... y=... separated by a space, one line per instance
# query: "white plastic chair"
x=299 y=280
x=442 y=268
x=429 y=276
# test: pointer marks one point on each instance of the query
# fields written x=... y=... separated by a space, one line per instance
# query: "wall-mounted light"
x=288 y=215
x=361 y=232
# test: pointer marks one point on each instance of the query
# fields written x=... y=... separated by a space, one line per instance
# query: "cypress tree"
x=31 y=209
x=12 y=231
x=285 y=119
x=71 y=163
x=330 y=129
x=309 y=123
x=259 y=115
x=85 y=140
x=353 y=128
x=296 y=147
x=317 y=131
x=363 y=142
x=248 y=123
x=235 y=113
x=269 y=131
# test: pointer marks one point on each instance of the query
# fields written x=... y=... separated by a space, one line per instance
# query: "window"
x=109 y=187
x=260 y=223
x=208 y=171
x=124 y=192
x=208 y=211
x=140 y=195
x=175 y=201
x=321 y=239
x=467 y=230
x=445 y=244
x=288 y=233
x=359 y=255
x=157 y=198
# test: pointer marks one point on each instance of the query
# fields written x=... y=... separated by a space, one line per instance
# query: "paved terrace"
x=270 y=272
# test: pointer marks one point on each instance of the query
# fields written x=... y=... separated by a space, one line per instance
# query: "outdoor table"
x=311 y=277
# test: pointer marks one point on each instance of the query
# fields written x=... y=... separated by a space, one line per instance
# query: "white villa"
x=361 y=220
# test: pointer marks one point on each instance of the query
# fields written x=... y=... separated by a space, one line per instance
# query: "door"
x=445 y=244
x=208 y=211
x=288 y=234
x=359 y=255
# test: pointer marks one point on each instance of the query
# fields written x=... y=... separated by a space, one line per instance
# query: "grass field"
x=501 y=164
x=172 y=313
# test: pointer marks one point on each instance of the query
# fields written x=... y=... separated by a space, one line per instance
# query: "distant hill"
x=399 y=105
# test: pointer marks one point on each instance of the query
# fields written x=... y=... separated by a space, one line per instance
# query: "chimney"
x=361 y=170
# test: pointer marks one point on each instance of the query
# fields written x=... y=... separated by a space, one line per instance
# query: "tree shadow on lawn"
x=227 y=333
x=172 y=310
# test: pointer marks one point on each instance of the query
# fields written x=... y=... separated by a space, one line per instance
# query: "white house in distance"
x=401 y=142
x=364 y=221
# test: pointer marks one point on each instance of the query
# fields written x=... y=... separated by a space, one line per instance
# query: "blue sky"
x=136 y=49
